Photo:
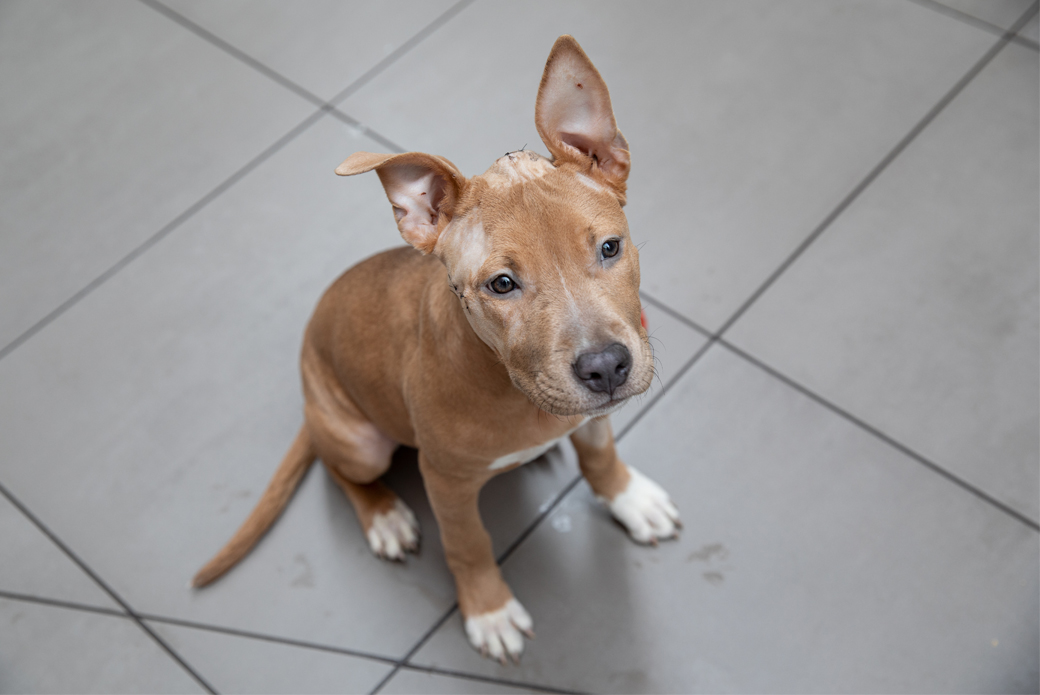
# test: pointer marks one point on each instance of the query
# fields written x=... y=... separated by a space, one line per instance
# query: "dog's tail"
x=296 y=462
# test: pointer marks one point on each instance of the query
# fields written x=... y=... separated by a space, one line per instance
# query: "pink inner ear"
x=574 y=117
x=578 y=142
x=436 y=196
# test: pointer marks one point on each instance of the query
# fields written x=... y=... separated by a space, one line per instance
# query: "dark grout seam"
x=106 y=588
x=674 y=314
x=975 y=22
x=233 y=51
x=263 y=637
x=303 y=644
x=274 y=639
x=159 y=235
x=407 y=46
x=301 y=91
x=489 y=679
x=867 y=427
x=59 y=603
x=365 y=130
x=838 y=410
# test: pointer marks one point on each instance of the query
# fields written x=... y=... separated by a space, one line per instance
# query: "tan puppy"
x=512 y=321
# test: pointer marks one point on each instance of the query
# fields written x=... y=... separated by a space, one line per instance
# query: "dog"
x=512 y=320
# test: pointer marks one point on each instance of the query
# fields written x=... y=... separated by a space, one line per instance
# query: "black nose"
x=604 y=371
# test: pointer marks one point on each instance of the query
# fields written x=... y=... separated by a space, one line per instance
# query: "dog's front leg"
x=640 y=504
x=495 y=621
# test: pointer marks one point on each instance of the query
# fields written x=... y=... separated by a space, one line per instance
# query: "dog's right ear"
x=423 y=190
x=575 y=119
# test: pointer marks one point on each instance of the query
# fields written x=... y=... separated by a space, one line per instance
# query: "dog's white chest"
x=529 y=454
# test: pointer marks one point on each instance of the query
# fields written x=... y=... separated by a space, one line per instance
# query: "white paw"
x=394 y=533
x=500 y=632
x=645 y=509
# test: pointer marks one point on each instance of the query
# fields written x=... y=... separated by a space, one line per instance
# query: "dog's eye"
x=609 y=249
x=503 y=284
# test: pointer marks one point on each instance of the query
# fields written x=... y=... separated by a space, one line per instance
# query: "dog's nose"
x=605 y=371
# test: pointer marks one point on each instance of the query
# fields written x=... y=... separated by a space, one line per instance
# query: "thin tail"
x=296 y=462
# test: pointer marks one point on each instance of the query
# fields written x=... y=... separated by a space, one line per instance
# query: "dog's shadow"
x=509 y=503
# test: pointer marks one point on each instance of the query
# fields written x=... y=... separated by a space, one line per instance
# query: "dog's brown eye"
x=503 y=284
x=610 y=248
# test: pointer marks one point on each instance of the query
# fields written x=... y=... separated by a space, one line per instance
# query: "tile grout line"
x=974 y=21
x=299 y=90
x=161 y=234
x=107 y=589
x=264 y=637
x=259 y=636
x=302 y=644
x=489 y=679
x=855 y=420
x=881 y=166
x=649 y=299
x=404 y=48
x=60 y=603
x=890 y=441
x=233 y=51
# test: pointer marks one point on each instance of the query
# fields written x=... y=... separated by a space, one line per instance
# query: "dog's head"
x=538 y=250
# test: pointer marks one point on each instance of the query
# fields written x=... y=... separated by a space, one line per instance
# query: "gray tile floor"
x=839 y=209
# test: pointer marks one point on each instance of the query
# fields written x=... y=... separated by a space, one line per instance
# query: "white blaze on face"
x=464 y=246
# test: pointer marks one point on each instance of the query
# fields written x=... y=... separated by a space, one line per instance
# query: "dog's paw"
x=497 y=634
x=645 y=510
x=394 y=533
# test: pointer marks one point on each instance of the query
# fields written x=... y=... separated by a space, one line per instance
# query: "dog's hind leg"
x=356 y=454
x=390 y=526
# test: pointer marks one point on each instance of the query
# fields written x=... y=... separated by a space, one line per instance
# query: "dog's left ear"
x=423 y=190
x=575 y=119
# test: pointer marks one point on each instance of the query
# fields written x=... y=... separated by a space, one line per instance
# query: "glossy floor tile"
x=32 y=565
x=236 y=664
x=814 y=558
x=344 y=40
x=939 y=257
x=140 y=422
x=44 y=649
x=1032 y=29
x=116 y=120
x=1000 y=13
x=406 y=682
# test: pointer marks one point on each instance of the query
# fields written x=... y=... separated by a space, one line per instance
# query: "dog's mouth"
x=567 y=389
x=612 y=405
x=570 y=402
